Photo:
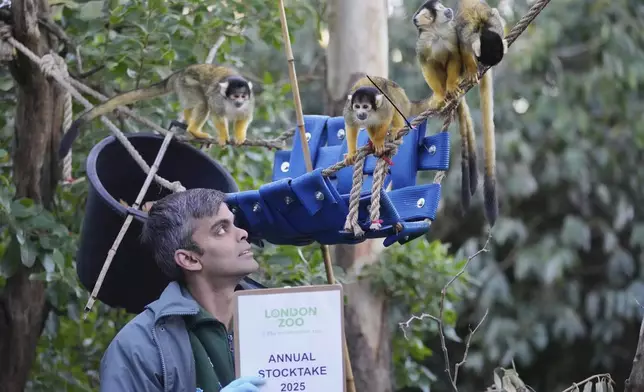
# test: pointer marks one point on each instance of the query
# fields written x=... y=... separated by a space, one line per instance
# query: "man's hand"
x=245 y=384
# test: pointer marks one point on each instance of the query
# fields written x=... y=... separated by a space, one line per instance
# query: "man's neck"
x=216 y=300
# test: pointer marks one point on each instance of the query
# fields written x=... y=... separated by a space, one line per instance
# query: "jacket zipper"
x=155 y=336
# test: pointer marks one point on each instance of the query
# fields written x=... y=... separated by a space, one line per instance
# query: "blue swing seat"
x=299 y=208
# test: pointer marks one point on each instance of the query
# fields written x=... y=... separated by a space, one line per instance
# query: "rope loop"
x=6 y=50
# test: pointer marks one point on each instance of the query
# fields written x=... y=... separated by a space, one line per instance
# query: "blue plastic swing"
x=298 y=208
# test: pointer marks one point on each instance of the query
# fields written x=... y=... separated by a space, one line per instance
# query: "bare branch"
x=213 y=51
x=467 y=345
x=439 y=320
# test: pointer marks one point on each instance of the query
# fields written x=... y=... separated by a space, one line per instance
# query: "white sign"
x=292 y=337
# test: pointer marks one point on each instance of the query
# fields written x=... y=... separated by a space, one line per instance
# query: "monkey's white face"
x=426 y=17
x=236 y=100
x=363 y=109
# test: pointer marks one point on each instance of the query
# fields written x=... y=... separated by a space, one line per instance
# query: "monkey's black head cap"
x=491 y=48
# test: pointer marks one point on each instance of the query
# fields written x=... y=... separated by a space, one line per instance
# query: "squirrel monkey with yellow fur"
x=481 y=36
x=367 y=107
x=439 y=58
x=204 y=90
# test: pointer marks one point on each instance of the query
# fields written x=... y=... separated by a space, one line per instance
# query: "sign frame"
x=285 y=290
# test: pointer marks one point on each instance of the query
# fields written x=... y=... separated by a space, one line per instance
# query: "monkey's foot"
x=349 y=159
x=454 y=91
x=472 y=77
x=239 y=142
x=436 y=102
x=199 y=134
x=378 y=149
x=222 y=142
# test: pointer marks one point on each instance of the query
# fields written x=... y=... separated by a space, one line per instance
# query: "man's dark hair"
x=171 y=223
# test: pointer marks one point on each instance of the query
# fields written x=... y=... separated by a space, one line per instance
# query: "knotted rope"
x=391 y=148
x=6 y=50
x=51 y=70
x=49 y=63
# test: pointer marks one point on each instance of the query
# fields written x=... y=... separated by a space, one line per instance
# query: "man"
x=180 y=341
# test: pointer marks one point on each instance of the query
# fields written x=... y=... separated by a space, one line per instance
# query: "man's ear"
x=187 y=260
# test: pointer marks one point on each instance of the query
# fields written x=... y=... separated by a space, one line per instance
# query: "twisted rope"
x=447 y=111
x=52 y=71
x=6 y=50
x=351 y=222
x=379 y=174
x=49 y=63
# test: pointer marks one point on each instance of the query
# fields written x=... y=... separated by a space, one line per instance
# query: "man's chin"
x=248 y=265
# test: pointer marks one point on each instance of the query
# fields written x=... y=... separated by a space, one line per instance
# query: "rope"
x=6 y=50
x=351 y=222
x=391 y=148
x=51 y=70
x=379 y=174
x=50 y=62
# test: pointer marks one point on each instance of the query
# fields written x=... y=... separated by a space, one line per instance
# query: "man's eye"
x=221 y=231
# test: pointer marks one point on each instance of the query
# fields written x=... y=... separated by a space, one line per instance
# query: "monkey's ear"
x=349 y=97
x=379 y=98
x=476 y=47
x=223 y=86
x=250 y=85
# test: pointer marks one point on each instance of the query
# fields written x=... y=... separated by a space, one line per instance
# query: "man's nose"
x=243 y=234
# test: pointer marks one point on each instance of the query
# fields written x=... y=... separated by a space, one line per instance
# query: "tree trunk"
x=38 y=124
x=355 y=48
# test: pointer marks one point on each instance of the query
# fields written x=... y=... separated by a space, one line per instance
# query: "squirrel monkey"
x=438 y=55
x=480 y=30
x=203 y=90
x=367 y=107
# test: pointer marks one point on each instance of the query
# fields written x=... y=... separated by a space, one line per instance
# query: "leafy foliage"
x=565 y=263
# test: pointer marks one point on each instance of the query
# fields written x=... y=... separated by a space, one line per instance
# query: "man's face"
x=226 y=253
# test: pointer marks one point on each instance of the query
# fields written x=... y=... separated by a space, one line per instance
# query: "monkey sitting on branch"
x=204 y=90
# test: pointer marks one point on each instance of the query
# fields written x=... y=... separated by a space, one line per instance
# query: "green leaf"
x=48 y=263
x=28 y=254
x=10 y=259
x=23 y=208
x=91 y=10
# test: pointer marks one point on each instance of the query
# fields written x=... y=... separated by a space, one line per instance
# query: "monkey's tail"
x=489 y=180
x=158 y=89
x=465 y=118
x=469 y=169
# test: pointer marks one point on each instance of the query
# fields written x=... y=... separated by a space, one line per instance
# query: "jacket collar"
x=173 y=301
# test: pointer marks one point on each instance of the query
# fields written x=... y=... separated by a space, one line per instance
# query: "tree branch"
x=635 y=381
x=439 y=320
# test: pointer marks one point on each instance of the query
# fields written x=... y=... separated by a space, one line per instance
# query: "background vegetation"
x=565 y=265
